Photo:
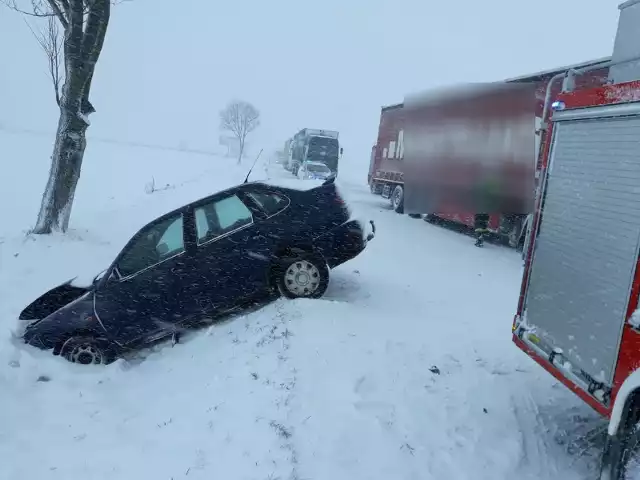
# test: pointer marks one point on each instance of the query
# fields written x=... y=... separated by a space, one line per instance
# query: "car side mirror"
x=341 y=150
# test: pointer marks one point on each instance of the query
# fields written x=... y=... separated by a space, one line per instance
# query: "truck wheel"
x=397 y=199
x=513 y=237
x=620 y=447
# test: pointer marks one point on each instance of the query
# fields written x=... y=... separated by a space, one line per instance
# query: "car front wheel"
x=305 y=277
x=85 y=351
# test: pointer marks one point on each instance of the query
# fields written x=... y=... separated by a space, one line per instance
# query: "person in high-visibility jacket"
x=487 y=193
x=481 y=225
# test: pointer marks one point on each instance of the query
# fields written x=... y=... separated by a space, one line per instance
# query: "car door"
x=269 y=232
x=224 y=258
x=143 y=298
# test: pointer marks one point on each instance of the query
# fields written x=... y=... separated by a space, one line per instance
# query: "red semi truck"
x=387 y=166
x=578 y=314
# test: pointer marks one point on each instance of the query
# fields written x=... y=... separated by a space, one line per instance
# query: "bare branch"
x=52 y=8
x=49 y=41
x=56 y=8
x=240 y=118
x=36 y=9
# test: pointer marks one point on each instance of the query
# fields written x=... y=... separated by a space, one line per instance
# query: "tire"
x=621 y=447
x=513 y=237
x=397 y=199
x=85 y=351
x=303 y=276
x=617 y=454
x=415 y=215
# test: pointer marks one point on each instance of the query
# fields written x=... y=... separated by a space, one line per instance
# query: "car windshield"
x=317 y=168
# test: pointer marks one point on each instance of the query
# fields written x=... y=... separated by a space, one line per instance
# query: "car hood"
x=54 y=300
x=52 y=330
x=319 y=175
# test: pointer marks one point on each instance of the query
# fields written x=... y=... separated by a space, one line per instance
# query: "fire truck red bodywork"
x=628 y=359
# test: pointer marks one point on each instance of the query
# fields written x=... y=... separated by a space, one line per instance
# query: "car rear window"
x=270 y=202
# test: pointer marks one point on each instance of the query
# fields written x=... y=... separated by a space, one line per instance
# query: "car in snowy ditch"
x=197 y=263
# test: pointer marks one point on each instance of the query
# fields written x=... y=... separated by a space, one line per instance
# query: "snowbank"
x=405 y=369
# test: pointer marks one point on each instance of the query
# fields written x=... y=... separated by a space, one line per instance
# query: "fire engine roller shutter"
x=587 y=245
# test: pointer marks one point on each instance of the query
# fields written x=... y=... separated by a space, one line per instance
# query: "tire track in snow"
x=535 y=455
x=282 y=423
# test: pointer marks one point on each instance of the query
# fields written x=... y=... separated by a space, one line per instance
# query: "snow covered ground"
x=405 y=369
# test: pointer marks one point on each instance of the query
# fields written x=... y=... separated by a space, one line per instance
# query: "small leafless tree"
x=77 y=50
x=240 y=118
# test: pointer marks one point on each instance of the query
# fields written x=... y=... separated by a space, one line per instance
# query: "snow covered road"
x=404 y=370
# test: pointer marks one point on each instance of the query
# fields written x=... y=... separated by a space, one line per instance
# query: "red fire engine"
x=577 y=313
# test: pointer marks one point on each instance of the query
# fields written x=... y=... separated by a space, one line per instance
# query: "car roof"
x=236 y=188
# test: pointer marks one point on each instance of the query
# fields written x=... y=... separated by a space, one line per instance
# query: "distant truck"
x=286 y=154
x=314 y=145
x=387 y=166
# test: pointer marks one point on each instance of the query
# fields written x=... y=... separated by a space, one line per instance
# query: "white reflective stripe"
x=605 y=111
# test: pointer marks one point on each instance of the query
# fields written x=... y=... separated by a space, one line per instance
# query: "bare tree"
x=240 y=118
x=84 y=25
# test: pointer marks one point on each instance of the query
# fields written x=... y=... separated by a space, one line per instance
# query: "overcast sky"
x=169 y=66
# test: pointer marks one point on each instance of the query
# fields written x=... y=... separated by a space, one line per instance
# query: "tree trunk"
x=241 y=151
x=84 y=32
x=66 y=162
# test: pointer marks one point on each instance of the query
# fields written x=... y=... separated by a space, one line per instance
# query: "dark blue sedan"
x=197 y=263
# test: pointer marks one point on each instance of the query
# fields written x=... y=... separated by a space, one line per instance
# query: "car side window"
x=156 y=243
x=220 y=217
x=270 y=202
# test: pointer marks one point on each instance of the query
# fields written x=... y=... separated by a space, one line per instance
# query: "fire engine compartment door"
x=587 y=246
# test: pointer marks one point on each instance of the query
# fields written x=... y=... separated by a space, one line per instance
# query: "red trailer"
x=387 y=168
x=578 y=311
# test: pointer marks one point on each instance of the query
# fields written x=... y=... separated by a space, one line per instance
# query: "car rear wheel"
x=85 y=351
x=304 y=277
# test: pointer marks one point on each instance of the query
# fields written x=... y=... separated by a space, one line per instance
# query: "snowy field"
x=405 y=370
